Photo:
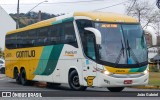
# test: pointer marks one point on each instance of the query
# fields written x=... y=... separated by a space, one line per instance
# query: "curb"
x=146 y=87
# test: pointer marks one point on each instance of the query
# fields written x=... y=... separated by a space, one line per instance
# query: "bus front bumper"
x=120 y=80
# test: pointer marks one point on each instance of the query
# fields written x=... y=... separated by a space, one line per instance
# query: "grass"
x=154 y=78
x=154 y=81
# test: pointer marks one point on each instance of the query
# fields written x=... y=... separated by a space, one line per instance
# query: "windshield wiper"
x=120 y=54
x=130 y=51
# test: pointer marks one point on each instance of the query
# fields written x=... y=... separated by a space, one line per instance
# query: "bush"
x=154 y=69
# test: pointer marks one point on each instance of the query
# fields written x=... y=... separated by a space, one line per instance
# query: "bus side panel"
x=10 y=62
x=70 y=58
x=48 y=63
x=38 y=63
x=66 y=65
x=8 y=69
x=27 y=58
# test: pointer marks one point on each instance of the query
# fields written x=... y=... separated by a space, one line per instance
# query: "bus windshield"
x=122 y=44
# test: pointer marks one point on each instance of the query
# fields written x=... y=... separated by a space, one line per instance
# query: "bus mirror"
x=96 y=32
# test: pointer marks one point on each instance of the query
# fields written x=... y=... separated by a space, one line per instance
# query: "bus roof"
x=95 y=16
x=107 y=16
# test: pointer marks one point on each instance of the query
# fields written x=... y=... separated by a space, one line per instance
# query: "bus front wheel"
x=115 y=89
x=74 y=82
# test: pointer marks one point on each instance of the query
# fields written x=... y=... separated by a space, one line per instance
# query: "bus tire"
x=23 y=77
x=74 y=82
x=115 y=89
x=3 y=70
x=17 y=76
x=31 y=83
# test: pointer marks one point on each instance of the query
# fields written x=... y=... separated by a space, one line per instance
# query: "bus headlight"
x=145 y=72
x=106 y=72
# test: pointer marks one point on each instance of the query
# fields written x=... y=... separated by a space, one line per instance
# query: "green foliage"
x=154 y=69
x=30 y=18
x=1 y=53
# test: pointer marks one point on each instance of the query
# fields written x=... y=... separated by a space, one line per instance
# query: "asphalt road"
x=64 y=92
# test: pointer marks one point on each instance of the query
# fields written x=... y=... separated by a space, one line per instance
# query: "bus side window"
x=31 y=38
x=19 y=40
x=25 y=39
x=42 y=36
x=54 y=35
x=81 y=24
x=87 y=38
x=69 y=36
x=11 y=41
x=90 y=46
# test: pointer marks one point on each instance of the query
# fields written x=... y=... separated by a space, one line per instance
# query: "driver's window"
x=87 y=38
x=90 y=46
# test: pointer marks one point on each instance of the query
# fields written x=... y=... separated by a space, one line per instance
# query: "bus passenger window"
x=69 y=36
x=24 y=39
x=42 y=36
x=19 y=40
x=31 y=38
x=11 y=41
x=54 y=34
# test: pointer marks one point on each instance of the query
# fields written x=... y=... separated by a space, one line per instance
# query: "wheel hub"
x=75 y=80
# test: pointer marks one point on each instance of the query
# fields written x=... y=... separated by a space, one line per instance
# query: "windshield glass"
x=112 y=40
x=122 y=43
x=135 y=41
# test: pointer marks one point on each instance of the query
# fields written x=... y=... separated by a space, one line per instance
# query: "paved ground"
x=65 y=93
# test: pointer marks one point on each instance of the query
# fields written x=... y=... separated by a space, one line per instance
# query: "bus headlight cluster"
x=106 y=72
x=145 y=72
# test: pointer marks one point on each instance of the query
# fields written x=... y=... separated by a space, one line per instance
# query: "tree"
x=31 y=17
x=145 y=12
x=1 y=53
x=155 y=22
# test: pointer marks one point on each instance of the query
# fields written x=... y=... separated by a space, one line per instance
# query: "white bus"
x=83 y=49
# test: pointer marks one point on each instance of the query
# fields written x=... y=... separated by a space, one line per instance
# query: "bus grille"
x=126 y=75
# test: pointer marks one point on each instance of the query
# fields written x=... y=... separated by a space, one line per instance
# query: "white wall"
x=152 y=52
x=6 y=24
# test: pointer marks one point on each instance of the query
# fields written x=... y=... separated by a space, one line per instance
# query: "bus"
x=82 y=49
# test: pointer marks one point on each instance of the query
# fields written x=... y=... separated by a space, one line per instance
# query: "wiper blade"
x=130 y=51
x=122 y=48
x=128 y=48
x=120 y=54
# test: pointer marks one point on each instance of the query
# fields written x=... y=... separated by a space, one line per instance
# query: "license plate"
x=128 y=81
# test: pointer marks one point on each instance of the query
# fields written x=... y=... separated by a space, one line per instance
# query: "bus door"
x=89 y=64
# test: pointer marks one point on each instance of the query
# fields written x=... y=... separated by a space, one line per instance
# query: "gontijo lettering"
x=25 y=54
